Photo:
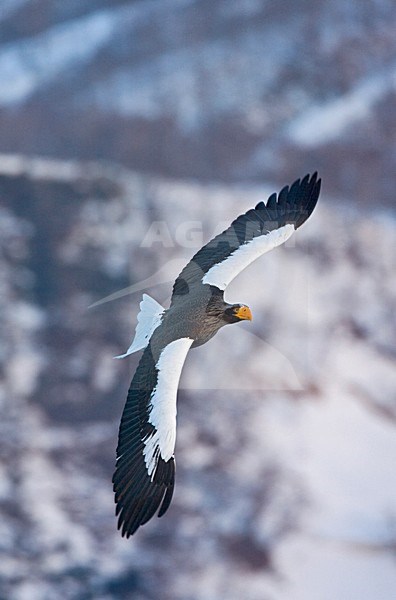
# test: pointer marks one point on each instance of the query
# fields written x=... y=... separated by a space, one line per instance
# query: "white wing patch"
x=224 y=272
x=163 y=404
x=149 y=318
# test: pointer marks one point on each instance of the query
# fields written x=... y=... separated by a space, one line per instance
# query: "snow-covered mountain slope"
x=285 y=482
x=211 y=89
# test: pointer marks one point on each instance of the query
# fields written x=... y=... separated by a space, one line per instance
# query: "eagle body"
x=145 y=469
x=199 y=319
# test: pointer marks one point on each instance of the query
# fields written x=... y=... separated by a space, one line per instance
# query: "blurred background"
x=130 y=133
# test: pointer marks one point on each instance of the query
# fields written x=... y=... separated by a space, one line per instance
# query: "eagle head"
x=236 y=313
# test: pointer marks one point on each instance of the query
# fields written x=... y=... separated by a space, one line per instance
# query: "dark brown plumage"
x=145 y=471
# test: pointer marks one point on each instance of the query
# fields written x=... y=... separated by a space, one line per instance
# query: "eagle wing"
x=249 y=236
x=145 y=469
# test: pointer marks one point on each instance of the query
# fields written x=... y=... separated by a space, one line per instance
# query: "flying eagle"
x=145 y=469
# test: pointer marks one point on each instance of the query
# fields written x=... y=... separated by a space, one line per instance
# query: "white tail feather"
x=149 y=318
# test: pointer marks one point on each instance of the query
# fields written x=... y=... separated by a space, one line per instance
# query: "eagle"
x=144 y=476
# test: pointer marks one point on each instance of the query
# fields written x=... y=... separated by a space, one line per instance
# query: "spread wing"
x=249 y=236
x=145 y=469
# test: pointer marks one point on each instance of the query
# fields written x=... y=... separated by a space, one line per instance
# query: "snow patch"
x=27 y=64
x=322 y=124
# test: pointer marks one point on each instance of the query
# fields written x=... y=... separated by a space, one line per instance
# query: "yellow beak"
x=244 y=313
